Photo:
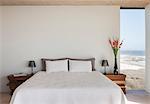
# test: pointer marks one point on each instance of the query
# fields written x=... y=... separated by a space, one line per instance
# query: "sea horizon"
x=133 y=52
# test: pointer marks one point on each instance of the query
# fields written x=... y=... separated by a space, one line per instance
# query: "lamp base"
x=32 y=70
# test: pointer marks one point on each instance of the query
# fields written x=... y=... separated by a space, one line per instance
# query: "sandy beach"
x=133 y=67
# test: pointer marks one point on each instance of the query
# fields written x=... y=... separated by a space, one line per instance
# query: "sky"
x=132 y=29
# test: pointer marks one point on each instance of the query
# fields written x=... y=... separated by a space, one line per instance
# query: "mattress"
x=68 y=88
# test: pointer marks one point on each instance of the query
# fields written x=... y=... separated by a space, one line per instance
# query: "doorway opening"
x=132 y=53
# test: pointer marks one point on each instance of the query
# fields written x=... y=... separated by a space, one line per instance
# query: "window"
x=132 y=55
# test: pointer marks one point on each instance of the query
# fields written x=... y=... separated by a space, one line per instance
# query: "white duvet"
x=68 y=88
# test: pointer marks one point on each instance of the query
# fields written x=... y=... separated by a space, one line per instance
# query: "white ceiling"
x=122 y=3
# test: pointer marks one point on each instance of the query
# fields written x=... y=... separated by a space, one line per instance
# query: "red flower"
x=115 y=44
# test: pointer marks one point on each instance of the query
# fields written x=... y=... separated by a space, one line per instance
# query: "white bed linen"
x=68 y=88
x=80 y=66
x=57 y=66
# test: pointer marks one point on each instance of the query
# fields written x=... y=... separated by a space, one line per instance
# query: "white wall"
x=147 y=74
x=34 y=32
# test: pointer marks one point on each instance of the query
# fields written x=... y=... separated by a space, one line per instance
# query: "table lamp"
x=32 y=65
x=105 y=64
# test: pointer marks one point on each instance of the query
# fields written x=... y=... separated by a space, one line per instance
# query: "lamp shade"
x=31 y=64
x=105 y=63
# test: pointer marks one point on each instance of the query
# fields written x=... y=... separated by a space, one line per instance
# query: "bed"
x=68 y=88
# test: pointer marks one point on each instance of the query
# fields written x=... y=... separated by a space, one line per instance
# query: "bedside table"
x=119 y=80
x=15 y=81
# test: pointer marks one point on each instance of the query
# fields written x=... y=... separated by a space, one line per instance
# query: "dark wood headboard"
x=88 y=59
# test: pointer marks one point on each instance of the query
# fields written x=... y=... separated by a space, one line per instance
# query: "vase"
x=115 y=66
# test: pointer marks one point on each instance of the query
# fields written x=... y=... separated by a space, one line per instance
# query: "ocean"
x=132 y=52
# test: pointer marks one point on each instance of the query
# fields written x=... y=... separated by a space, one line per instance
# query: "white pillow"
x=57 y=66
x=80 y=66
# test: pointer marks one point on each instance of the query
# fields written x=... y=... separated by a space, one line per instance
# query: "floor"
x=138 y=97
x=133 y=96
x=4 y=98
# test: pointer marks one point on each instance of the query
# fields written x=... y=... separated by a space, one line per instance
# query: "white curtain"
x=147 y=72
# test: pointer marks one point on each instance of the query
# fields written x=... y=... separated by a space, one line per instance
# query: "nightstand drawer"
x=119 y=80
x=15 y=81
x=22 y=78
x=122 y=87
x=116 y=77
